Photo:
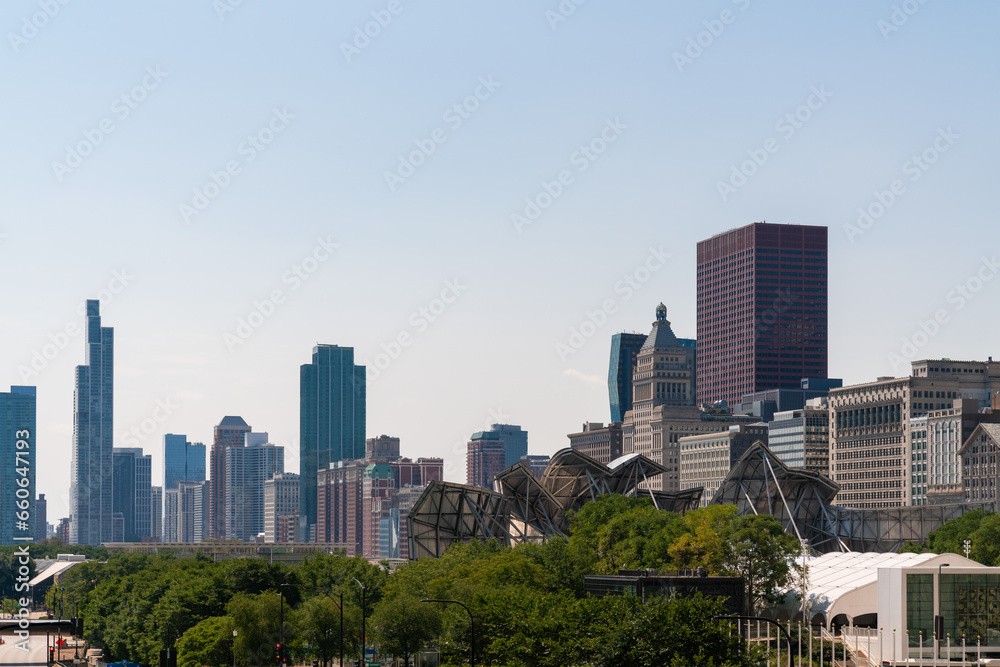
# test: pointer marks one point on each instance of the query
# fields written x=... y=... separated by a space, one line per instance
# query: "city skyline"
x=559 y=203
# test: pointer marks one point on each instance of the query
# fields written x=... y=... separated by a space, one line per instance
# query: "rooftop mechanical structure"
x=524 y=508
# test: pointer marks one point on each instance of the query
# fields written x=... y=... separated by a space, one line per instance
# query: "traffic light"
x=279 y=654
x=52 y=655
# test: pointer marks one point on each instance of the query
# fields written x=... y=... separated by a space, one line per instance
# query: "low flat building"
x=647 y=584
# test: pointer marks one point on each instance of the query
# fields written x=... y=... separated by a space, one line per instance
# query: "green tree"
x=255 y=618
x=700 y=545
x=207 y=644
x=403 y=625
x=317 y=624
x=758 y=549
x=949 y=537
x=985 y=541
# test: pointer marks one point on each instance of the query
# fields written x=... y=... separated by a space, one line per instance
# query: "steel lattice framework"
x=760 y=483
x=524 y=508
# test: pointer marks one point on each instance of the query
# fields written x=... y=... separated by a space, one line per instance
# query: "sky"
x=474 y=196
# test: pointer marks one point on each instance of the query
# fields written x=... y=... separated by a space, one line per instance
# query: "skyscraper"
x=19 y=452
x=624 y=350
x=132 y=497
x=762 y=310
x=247 y=469
x=331 y=420
x=41 y=518
x=91 y=484
x=231 y=432
x=182 y=461
x=515 y=442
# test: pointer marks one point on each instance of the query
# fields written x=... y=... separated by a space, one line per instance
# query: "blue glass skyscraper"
x=91 y=485
x=624 y=350
x=331 y=420
x=17 y=447
x=182 y=461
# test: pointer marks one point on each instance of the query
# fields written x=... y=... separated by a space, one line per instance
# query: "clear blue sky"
x=198 y=82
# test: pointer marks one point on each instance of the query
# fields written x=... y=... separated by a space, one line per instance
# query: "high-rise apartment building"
x=515 y=441
x=871 y=439
x=599 y=442
x=91 y=477
x=182 y=461
x=624 y=351
x=18 y=448
x=281 y=500
x=332 y=400
x=132 y=483
x=483 y=460
x=231 y=432
x=762 y=310
x=348 y=495
x=247 y=469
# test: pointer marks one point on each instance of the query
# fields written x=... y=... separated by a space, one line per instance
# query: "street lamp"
x=472 y=623
x=364 y=636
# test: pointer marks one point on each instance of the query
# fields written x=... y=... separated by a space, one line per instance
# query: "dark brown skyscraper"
x=231 y=432
x=762 y=310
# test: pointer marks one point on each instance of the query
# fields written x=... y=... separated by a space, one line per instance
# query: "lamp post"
x=364 y=609
x=472 y=624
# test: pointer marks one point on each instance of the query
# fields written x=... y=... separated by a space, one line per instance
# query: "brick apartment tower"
x=762 y=310
x=231 y=432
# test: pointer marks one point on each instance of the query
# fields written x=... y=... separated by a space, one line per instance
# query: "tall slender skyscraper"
x=247 y=469
x=762 y=310
x=231 y=432
x=91 y=485
x=20 y=456
x=331 y=420
x=182 y=461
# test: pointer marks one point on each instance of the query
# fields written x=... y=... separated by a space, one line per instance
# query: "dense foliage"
x=528 y=603
x=982 y=529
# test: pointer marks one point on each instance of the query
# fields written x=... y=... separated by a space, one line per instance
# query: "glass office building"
x=182 y=461
x=19 y=452
x=332 y=398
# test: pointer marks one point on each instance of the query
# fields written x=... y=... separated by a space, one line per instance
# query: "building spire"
x=661 y=314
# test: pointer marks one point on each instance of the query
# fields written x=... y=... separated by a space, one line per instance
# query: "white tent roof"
x=846 y=583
